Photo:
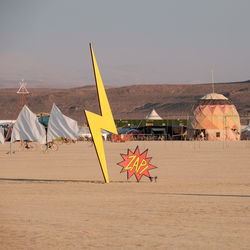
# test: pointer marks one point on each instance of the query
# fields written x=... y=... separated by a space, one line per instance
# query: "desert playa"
x=57 y=200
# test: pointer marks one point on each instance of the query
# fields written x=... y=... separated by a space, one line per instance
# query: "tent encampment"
x=61 y=126
x=27 y=127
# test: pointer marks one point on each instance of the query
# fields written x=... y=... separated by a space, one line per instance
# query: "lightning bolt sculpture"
x=104 y=121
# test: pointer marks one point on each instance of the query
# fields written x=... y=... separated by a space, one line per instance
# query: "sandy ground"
x=201 y=199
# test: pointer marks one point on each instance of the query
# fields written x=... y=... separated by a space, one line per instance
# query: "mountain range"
x=130 y=102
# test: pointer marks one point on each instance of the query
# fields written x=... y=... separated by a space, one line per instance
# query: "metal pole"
x=212 y=72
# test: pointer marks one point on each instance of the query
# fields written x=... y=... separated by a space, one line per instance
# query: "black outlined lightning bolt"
x=104 y=121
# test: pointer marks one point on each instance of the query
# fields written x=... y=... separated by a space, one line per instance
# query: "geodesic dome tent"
x=213 y=118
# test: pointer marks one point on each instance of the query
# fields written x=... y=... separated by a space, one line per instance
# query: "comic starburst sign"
x=136 y=164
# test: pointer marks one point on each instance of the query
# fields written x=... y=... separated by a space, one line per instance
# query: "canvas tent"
x=61 y=126
x=153 y=116
x=27 y=127
x=214 y=117
x=1 y=135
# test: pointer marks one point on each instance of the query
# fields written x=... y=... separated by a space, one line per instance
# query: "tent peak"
x=153 y=115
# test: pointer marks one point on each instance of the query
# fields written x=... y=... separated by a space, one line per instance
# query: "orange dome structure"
x=214 y=118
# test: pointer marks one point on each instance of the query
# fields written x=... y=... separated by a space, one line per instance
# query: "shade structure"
x=1 y=135
x=153 y=116
x=61 y=126
x=27 y=127
x=85 y=132
x=245 y=133
x=215 y=118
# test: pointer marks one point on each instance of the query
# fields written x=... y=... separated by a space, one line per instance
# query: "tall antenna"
x=212 y=74
x=22 y=89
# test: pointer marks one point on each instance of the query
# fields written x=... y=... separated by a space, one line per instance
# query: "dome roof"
x=214 y=96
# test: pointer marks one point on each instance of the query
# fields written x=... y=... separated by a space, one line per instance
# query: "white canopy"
x=7 y=122
x=1 y=135
x=61 y=125
x=153 y=116
x=27 y=127
x=85 y=132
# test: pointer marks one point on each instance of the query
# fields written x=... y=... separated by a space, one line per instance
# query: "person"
x=25 y=144
x=202 y=136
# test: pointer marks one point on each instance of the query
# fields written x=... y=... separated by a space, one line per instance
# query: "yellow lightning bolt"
x=104 y=121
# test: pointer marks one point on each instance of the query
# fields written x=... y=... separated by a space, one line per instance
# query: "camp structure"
x=84 y=132
x=245 y=133
x=153 y=116
x=1 y=135
x=7 y=123
x=61 y=126
x=214 y=118
x=28 y=128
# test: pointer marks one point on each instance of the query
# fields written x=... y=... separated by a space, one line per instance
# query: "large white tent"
x=28 y=128
x=1 y=135
x=61 y=126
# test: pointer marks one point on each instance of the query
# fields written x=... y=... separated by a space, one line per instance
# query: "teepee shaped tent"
x=27 y=127
x=153 y=116
x=1 y=135
x=61 y=125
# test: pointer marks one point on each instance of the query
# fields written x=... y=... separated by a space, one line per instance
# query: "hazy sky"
x=135 y=41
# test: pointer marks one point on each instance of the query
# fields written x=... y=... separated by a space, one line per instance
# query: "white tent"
x=27 y=127
x=7 y=122
x=153 y=116
x=1 y=135
x=85 y=132
x=61 y=126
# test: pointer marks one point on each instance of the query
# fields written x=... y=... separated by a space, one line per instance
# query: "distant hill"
x=131 y=102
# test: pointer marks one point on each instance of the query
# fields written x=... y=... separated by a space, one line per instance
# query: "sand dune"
x=200 y=200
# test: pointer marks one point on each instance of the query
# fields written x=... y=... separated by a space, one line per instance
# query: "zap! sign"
x=136 y=164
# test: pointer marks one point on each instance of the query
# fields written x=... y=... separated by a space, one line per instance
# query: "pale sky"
x=135 y=41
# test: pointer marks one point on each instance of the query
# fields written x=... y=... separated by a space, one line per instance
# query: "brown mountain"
x=131 y=102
